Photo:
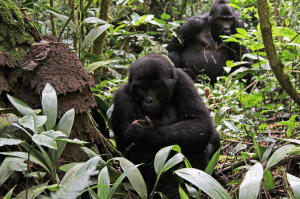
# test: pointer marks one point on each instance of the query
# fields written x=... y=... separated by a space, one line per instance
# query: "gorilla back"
x=158 y=107
x=203 y=51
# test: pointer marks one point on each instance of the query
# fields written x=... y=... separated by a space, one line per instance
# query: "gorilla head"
x=154 y=82
x=222 y=19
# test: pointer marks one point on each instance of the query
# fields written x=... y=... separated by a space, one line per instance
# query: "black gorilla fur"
x=203 y=51
x=177 y=115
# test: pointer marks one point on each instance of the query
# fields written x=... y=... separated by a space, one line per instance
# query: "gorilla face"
x=151 y=82
x=223 y=20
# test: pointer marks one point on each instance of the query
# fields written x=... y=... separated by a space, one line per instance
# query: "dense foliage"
x=259 y=130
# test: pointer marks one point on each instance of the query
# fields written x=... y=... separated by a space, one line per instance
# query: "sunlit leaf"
x=32 y=191
x=64 y=19
x=49 y=104
x=250 y=186
x=295 y=184
x=7 y=141
x=279 y=154
x=204 y=182
x=23 y=108
x=93 y=34
x=33 y=122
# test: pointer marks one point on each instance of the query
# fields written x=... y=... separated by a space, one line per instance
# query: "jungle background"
x=61 y=62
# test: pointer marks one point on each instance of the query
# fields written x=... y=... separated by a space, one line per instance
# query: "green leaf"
x=204 y=182
x=267 y=153
x=117 y=183
x=89 y=164
x=135 y=177
x=33 y=122
x=73 y=188
x=279 y=154
x=212 y=163
x=74 y=141
x=256 y=146
x=240 y=146
x=292 y=124
x=241 y=31
x=231 y=125
x=179 y=157
x=7 y=141
x=49 y=104
x=94 y=20
x=161 y=157
x=287 y=22
x=38 y=175
x=295 y=184
x=64 y=19
x=24 y=155
x=182 y=194
x=93 y=34
x=98 y=64
x=71 y=173
x=23 y=108
x=65 y=125
x=103 y=179
x=9 y=194
x=220 y=114
x=165 y=16
x=194 y=192
x=32 y=191
x=9 y=165
x=44 y=140
x=250 y=186
x=269 y=181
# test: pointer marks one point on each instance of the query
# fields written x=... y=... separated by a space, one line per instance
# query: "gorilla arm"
x=186 y=33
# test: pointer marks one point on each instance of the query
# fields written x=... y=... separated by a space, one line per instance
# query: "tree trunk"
x=98 y=44
x=275 y=63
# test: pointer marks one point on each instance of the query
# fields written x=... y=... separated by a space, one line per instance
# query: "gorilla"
x=158 y=107
x=202 y=50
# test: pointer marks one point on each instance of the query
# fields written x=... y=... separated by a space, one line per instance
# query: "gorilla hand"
x=144 y=123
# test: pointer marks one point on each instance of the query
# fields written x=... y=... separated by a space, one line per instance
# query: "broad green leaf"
x=65 y=125
x=9 y=165
x=292 y=124
x=269 y=181
x=20 y=127
x=182 y=194
x=89 y=164
x=290 y=140
x=49 y=104
x=93 y=34
x=220 y=114
x=32 y=191
x=231 y=125
x=72 y=189
x=7 y=141
x=67 y=167
x=98 y=64
x=94 y=20
x=53 y=134
x=256 y=146
x=64 y=19
x=38 y=175
x=250 y=186
x=240 y=146
x=74 y=141
x=103 y=179
x=287 y=22
x=279 y=154
x=165 y=16
x=204 y=182
x=241 y=31
x=9 y=194
x=135 y=177
x=179 y=157
x=24 y=155
x=89 y=152
x=194 y=192
x=212 y=163
x=161 y=157
x=267 y=153
x=295 y=184
x=117 y=183
x=23 y=108
x=71 y=173
x=33 y=122
x=44 y=140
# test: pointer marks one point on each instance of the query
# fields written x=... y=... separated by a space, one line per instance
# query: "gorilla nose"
x=148 y=100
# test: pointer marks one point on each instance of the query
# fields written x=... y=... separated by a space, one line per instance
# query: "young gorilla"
x=203 y=51
x=158 y=107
